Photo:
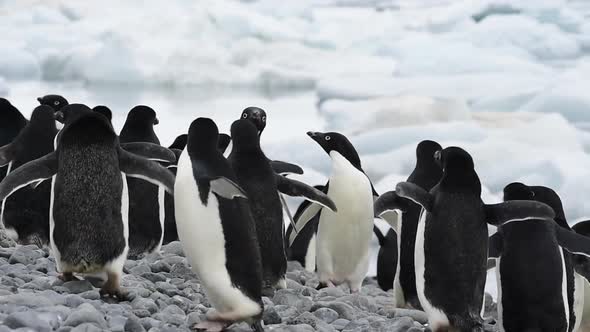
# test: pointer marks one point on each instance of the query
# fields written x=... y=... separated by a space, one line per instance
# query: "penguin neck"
x=461 y=181
x=341 y=164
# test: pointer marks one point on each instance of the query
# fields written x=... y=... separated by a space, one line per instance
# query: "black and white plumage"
x=217 y=231
x=25 y=214
x=262 y=185
x=426 y=175
x=146 y=201
x=452 y=240
x=88 y=203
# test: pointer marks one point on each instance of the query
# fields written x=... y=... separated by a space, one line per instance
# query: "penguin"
x=88 y=202
x=11 y=123
x=262 y=185
x=56 y=102
x=303 y=249
x=451 y=247
x=386 y=258
x=147 y=210
x=426 y=175
x=583 y=228
x=539 y=243
x=179 y=142
x=104 y=111
x=223 y=143
x=217 y=232
x=343 y=237
x=25 y=214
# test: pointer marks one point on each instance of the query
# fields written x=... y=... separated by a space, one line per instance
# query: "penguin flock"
x=94 y=197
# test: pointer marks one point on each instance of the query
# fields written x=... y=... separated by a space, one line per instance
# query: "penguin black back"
x=11 y=123
x=27 y=210
x=257 y=178
x=139 y=126
x=56 y=102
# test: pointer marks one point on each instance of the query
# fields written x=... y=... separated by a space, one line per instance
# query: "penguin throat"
x=465 y=182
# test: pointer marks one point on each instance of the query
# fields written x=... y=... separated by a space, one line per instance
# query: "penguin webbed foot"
x=116 y=294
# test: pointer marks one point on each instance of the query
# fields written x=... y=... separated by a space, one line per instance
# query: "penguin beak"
x=438 y=158
x=156 y=121
x=312 y=134
x=59 y=116
x=40 y=100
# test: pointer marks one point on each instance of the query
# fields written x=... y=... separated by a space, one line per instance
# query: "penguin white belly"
x=310 y=255
x=585 y=321
x=564 y=290
x=201 y=234
x=116 y=265
x=436 y=317
x=499 y=298
x=578 y=300
x=343 y=237
x=399 y=300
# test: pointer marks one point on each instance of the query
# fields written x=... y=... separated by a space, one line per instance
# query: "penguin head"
x=518 y=191
x=142 y=115
x=223 y=143
x=550 y=197
x=54 y=101
x=179 y=142
x=101 y=109
x=70 y=113
x=43 y=116
x=245 y=135
x=336 y=142
x=458 y=170
x=202 y=135
x=425 y=151
x=582 y=227
x=84 y=126
x=257 y=116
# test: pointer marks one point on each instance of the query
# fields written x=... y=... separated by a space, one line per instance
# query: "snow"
x=506 y=80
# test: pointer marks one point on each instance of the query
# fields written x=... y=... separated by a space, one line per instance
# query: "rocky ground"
x=166 y=296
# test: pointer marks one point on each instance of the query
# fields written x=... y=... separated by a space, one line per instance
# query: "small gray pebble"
x=344 y=310
x=182 y=271
x=160 y=266
x=26 y=319
x=140 y=269
x=326 y=315
x=90 y=295
x=86 y=327
x=271 y=317
x=86 y=313
x=340 y=324
x=193 y=318
x=153 y=277
x=133 y=325
x=78 y=286
x=174 y=248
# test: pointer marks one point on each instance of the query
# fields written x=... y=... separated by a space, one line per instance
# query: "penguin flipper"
x=138 y=167
x=502 y=213
x=6 y=154
x=382 y=240
x=281 y=167
x=150 y=151
x=573 y=242
x=311 y=211
x=223 y=142
x=389 y=202
x=31 y=172
x=296 y=188
x=582 y=266
x=416 y=194
x=226 y=188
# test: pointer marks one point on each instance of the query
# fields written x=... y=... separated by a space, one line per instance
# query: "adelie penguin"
x=26 y=213
x=539 y=250
x=104 y=111
x=146 y=201
x=88 y=203
x=262 y=185
x=426 y=175
x=179 y=144
x=451 y=246
x=583 y=228
x=343 y=237
x=11 y=123
x=217 y=232
x=386 y=258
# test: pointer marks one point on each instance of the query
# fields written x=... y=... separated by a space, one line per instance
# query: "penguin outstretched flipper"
x=380 y=237
x=295 y=188
x=416 y=194
x=31 y=172
x=281 y=167
x=502 y=213
x=226 y=188
x=6 y=154
x=150 y=151
x=389 y=202
x=573 y=242
x=138 y=167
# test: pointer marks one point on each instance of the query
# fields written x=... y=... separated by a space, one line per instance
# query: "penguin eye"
x=264 y=119
x=56 y=102
x=244 y=115
x=327 y=138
